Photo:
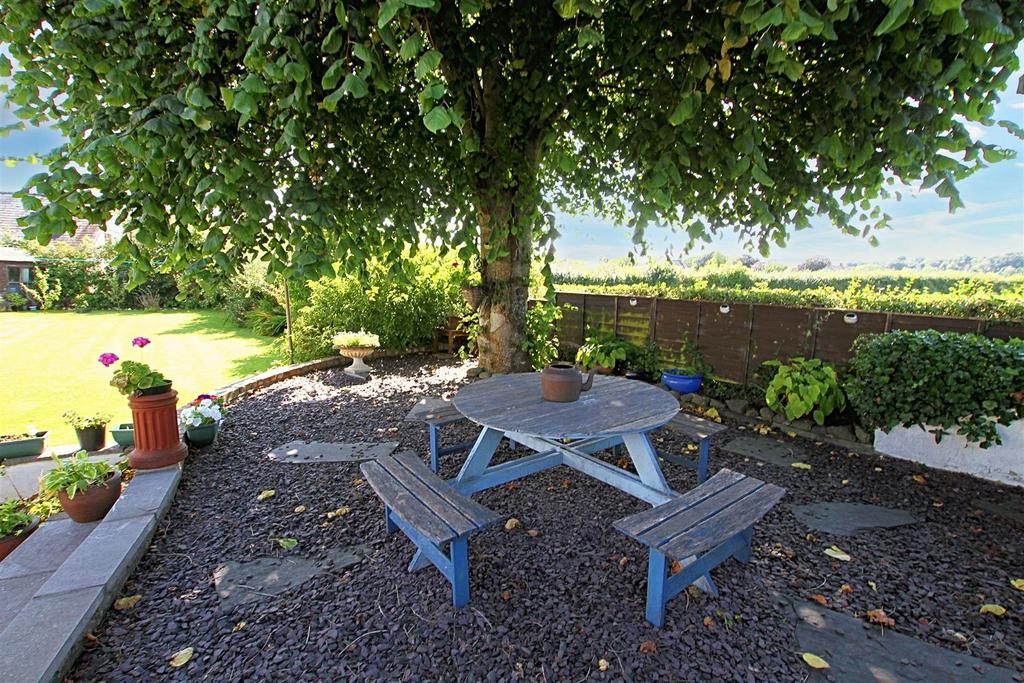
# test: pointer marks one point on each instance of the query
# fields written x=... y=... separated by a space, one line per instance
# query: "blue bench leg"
x=460 y=572
x=743 y=554
x=657 y=575
x=389 y=526
x=702 y=461
x=432 y=430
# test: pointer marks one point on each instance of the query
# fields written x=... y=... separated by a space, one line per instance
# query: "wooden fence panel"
x=914 y=323
x=724 y=338
x=600 y=314
x=634 y=321
x=833 y=335
x=673 y=320
x=780 y=332
x=1001 y=331
x=570 y=327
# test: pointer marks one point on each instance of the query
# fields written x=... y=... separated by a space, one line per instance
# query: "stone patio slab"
x=765 y=450
x=16 y=591
x=868 y=655
x=148 y=492
x=849 y=519
x=46 y=549
x=321 y=451
x=238 y=583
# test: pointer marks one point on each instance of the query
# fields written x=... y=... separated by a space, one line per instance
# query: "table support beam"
x=615 y=476
x=496 y=475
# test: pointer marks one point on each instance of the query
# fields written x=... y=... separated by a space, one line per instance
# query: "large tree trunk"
x=506 y=282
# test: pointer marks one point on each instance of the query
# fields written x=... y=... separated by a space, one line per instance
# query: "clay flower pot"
x=93 y=503
x=157 y=441
x=11 y=541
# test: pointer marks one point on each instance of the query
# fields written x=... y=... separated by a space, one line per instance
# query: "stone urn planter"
x=93 y=503
x=157 y=441
x=357 y=354
x=11 y=541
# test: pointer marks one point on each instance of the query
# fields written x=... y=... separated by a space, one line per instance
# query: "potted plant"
x=602 y=353
x=642 y=362
x=688 y=377
x=154 y=411
x=357 y=346
x=30 y=444
x=87 y=489
x=16 y=524
x=201 y=419
x=91 y=430
x=124 y=434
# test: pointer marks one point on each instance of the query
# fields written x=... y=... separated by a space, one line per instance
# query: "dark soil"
x=548 y=607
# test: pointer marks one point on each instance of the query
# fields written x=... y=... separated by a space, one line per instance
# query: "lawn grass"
x=49 y=361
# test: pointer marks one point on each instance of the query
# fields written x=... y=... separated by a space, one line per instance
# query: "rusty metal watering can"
x=562 y=382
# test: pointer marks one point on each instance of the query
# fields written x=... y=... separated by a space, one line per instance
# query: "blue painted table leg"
x=702 y=461
x=432 y=432
x=743 y=554
x=645 y=460
x=389 y=526
x=460 y=572
x=657 y=573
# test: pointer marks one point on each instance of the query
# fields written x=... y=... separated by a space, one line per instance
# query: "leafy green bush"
x=602 y=351
x=942 y=381
x=804 y=387
x=541 y=341
x=402 y=307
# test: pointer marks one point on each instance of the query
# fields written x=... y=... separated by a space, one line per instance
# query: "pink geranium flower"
x=141 y=342
x=108 y=359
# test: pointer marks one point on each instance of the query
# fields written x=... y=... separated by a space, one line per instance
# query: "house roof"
x=11 y=210
x=14 y=255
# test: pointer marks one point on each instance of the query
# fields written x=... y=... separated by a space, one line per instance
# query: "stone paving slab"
x=319 y=451
x=16 y=591
x=46 y=549
x=238 y=583
x=765 y=449
x=46 y=633
x=147 y=492
x=849 y=519
x=870 y=655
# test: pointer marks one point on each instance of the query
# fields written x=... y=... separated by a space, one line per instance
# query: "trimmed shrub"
x=804 y=387
x=942 y=381
x=403 y=308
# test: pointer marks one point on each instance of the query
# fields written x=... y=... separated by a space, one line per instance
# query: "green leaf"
x=296 y=71
x=567 y=9
x=437 y=119
x=686 y=109
x=254 y=84
x=356 y=86
x=943 y=6
x=333 y=75
x=388 y=11
x=331 y=101
x=428 y=63
x=589 y=36
x=410 y=47
x=899 y=11
x=334 y=40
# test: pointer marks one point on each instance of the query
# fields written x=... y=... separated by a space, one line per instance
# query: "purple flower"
x=141 y=342
x=108 y=359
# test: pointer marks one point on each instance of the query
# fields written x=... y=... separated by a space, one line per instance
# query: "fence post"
x=653 y=322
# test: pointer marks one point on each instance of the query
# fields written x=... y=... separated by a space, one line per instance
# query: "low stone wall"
x=248 y=385
x=1003 y=463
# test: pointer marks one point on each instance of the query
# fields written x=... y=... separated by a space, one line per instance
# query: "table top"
x=614 y=405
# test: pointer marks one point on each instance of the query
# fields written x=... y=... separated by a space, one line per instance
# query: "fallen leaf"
x=566 y=483
x=286 y=543
x=846 y=588
x=878 y=616
x=267 y=493
x=692 y=447
x=836 y=553
x=623 y=463
x=90 y=639
x=533 y=533
x=238 y=627
x=820 y=599
x=506 y=595
x=712 y=413
x=814 y=661
x=181 y=657
x=811 y=537
x=511 y=524
x=299 y=509
x=800 y=465
x=121 y=604
x=937 y=504
x=603 y=664
x=997 y=610
x=878 y=469
x=844 y=482
x=676 y=567
x=791 y=435
x=919 y=479
x=709 y=622
x=357 y=482
x=648 y=646
x=872 y=585
x=512 y=485
x=1017 y=583
x=623 y=561
x=924 y=621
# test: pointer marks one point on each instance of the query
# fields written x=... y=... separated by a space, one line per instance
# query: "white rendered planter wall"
x=1003 y=463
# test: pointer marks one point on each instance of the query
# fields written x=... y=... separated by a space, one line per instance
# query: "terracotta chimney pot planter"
x=157 y=441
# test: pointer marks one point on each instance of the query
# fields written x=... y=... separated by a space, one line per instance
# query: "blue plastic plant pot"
x=684 y=384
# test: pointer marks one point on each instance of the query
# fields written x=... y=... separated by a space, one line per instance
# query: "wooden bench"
x=431 y=513
x=700 y=430
x=700 y=530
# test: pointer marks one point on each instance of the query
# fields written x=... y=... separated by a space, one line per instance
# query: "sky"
x=992 y=222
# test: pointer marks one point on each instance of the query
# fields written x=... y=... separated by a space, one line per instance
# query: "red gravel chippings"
x=544 y=607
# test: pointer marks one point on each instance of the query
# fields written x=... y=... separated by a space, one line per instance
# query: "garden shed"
x=16 y=270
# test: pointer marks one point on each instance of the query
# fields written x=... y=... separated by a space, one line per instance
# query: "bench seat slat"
x=684 y=519
x=697 y=428
x=720 y=527
x=397 y=497
x=440 y=416
x=461 y=512
x=635 y=525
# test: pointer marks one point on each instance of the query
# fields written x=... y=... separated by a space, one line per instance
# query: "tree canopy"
x=311 y=133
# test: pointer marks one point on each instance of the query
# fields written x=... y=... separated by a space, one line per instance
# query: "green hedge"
x=948 y=381
x=403 y=308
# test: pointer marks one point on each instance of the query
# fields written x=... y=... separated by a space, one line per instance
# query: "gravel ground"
x=548 y=607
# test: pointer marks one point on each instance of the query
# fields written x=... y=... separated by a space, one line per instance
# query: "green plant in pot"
x=642 y=362
x=357 y=346
x=602 y=353
x=201 y=419
x=91 y=429
x=16 y=521
x=87 y=489
x=688 y=376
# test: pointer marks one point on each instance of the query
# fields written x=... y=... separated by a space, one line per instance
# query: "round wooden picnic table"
x=613 y=406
